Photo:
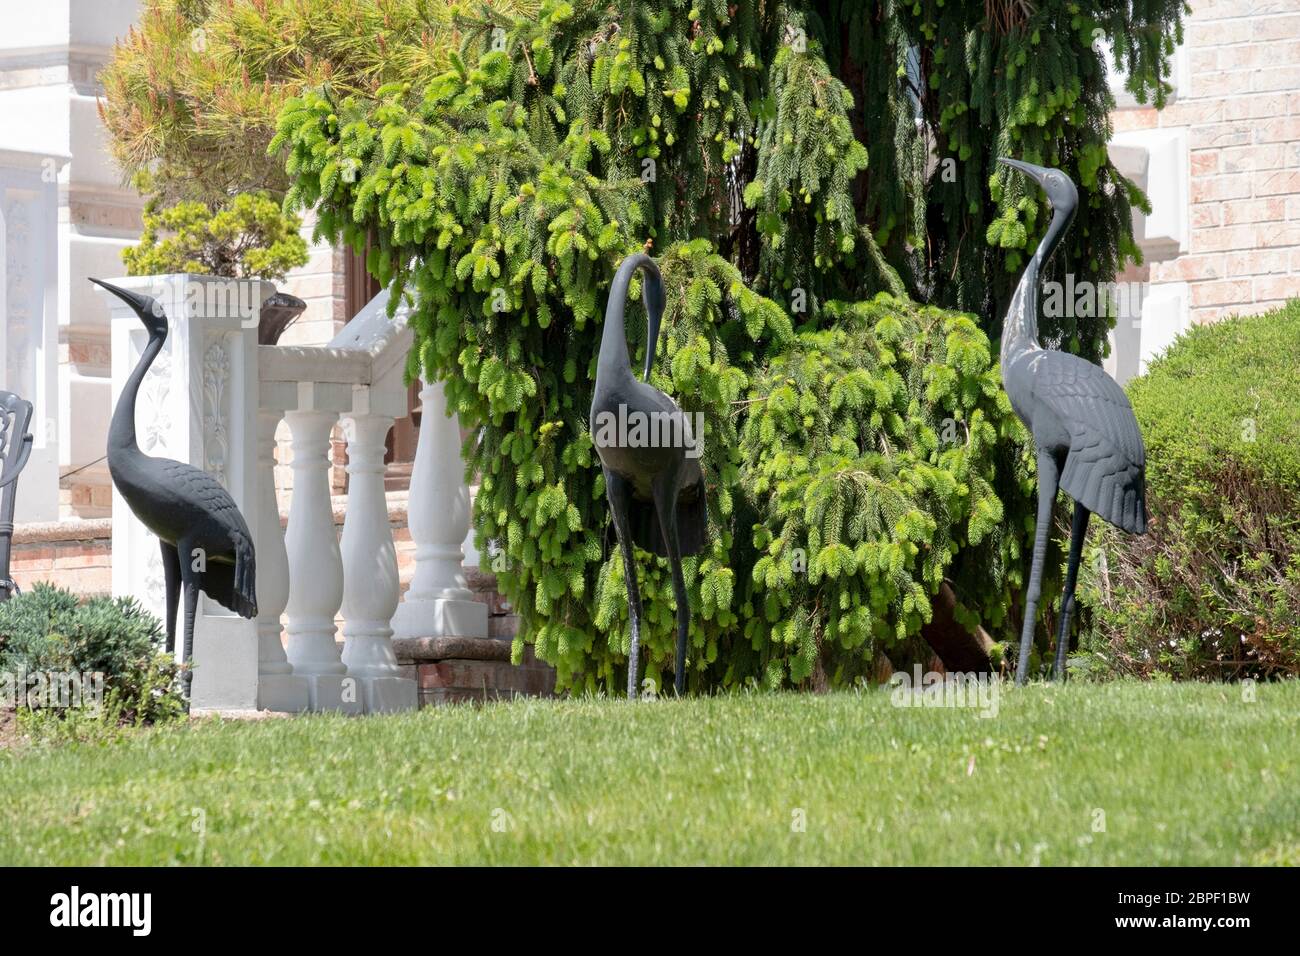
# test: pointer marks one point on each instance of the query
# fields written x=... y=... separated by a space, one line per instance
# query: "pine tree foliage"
x=192 y=91
x=869 y=458
x=841 y=420
x=999 y=78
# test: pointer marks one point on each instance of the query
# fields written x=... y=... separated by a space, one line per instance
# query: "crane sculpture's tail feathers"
x=1105 y=470
x=233 y=586
x=1116 y=494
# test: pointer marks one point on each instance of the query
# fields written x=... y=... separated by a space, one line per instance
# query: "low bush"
x=48 y=630
x=1213 y=590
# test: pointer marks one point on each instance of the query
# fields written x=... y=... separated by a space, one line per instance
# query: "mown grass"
x=1178 y=774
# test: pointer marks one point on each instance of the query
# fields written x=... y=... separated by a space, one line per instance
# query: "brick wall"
x=320 y=284
x=1240 y=106
x=73 y=554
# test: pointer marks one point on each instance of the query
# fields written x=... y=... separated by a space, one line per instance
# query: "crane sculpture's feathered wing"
x=233 y=586
x=692 y=506
x=1104 y=470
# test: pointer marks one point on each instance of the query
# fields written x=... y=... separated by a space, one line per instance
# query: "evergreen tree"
x=858 y=447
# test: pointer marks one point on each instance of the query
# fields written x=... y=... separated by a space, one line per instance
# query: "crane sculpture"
x=15 y=449
x=1083 y=427
x=655 y=488
x=206 y=544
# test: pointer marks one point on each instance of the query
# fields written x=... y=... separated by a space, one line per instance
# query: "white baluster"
x=278 y=688
x=370 y=580
x=315 y=568
x=438 y=604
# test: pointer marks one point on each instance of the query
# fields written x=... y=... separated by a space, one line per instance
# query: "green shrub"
x=48 y=630
x=1213 y=590
x=248 y=236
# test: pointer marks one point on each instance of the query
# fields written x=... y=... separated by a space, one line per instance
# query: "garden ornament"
x=206 y=545
x=650 y=456
x=1084 y=430
x=15 y=448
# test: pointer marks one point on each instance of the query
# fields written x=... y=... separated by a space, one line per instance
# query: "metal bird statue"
x=655 y=488
x=206 y=545
x=15 y=449
x=1084 y=429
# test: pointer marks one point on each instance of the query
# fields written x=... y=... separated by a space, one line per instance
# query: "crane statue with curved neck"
x=1084 y=430
x=206 y=544
x=655 y=488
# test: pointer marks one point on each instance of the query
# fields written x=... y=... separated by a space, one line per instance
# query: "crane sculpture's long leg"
x=666 y=506
x=619 y=493
x=1048 y=476
x=171 y=563
x=1078 y=530
x=190 y=585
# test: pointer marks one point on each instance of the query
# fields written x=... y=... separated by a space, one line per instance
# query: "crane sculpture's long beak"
x=1036 y=173
x=146 y=307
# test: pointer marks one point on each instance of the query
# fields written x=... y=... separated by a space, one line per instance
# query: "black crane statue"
x=650 y=458
x=206 y=545
x=1084 y=429
x=15 y=449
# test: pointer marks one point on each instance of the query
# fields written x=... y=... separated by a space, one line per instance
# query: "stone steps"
x=450 y=670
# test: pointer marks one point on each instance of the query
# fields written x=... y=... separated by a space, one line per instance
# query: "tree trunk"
x=959 y=649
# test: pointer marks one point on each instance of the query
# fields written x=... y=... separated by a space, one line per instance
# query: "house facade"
x=1221 y=166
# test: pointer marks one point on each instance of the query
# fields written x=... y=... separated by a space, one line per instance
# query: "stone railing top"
x=313 y=363
x=366 y=351
x=386 y=340
x=69 y=529
x=371 y=330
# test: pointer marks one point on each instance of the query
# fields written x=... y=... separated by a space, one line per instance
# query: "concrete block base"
x=471 y=670
x=336 y=693
x=389 y=695
x=462 y=618
x=283 y=693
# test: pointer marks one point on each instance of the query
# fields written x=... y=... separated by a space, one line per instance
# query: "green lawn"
x=1183 y=774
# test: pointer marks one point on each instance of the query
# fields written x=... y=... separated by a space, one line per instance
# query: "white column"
x=370 y=581
x=315 y=568
x=278 y=688
x=438 y=604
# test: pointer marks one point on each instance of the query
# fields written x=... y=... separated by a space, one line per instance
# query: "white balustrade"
x=370 y=580
x=438 y=604
x=238 y=393
x=315 y=567
x=278 y=688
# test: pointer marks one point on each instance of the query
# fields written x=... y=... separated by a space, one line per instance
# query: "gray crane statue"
x=206 y=544
x=1083 y=427
x=655 y=488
